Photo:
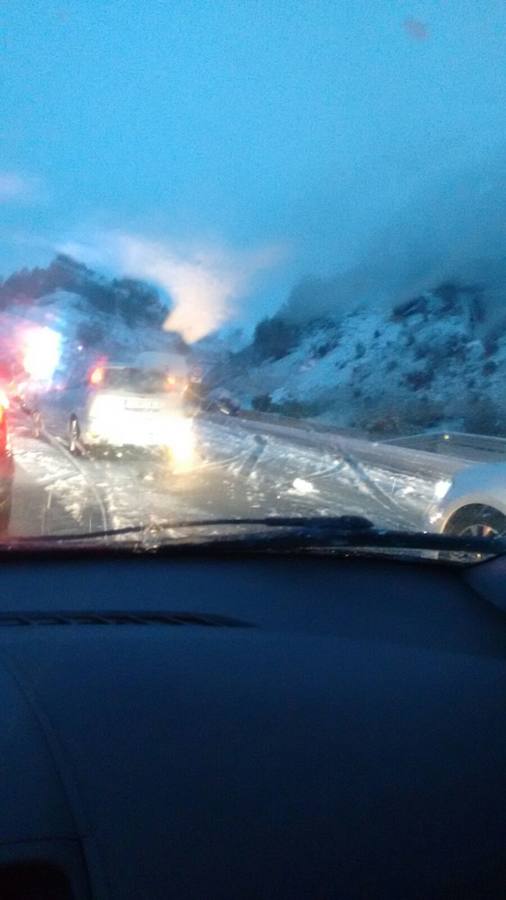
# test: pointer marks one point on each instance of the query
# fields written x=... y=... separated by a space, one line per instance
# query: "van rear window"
x=142 y=381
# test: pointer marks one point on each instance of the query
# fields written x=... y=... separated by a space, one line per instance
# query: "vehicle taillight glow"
x=97 y=376
x=173 y=383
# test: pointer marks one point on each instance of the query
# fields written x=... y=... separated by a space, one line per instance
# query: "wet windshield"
x=136 y=380
x=252 y=266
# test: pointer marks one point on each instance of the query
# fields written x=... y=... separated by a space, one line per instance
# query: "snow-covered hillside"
x=436 y=361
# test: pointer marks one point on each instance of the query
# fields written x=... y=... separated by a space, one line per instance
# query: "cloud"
x=16 y=186
x=452 y=229
x=204 y=281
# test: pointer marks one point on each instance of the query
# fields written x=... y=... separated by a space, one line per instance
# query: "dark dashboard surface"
x=285 y=728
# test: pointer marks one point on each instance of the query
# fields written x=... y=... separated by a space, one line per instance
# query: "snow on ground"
x=235 y=474
x=51 y=495
x=279 y=477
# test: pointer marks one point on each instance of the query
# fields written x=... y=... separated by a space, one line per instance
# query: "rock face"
x=435 y=360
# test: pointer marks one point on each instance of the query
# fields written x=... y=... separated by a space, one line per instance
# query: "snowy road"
x=237 y=472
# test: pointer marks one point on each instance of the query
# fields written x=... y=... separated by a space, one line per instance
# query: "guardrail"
x=343 y=444
x=306 y=425
x=466 y=448
x=472 y=447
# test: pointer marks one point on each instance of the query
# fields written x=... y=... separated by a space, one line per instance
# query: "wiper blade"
x=337 y=523
x=291 y=533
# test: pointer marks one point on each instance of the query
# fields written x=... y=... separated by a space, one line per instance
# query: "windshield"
x=137 y=380
x=252 y=267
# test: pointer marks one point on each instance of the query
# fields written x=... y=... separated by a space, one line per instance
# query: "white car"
x=473 y=503
x=128 y=406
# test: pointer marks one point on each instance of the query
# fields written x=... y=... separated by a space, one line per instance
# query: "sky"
x=253 y=140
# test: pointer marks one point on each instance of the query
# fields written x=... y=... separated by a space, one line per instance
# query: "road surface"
x=237 y=471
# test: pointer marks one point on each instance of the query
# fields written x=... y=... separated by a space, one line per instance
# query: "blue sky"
x=302 y=125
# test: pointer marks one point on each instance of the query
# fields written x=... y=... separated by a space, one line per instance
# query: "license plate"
x=142 y=403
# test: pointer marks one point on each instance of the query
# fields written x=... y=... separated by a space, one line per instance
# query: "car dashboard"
x=257 y=727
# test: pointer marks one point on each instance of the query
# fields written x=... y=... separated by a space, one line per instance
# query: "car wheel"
x=477 y=520
x=5 y=515
x=74 y=435
x=37 y=423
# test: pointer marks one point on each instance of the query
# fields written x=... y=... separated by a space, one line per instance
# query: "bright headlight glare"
x=103 y=406
x=112 y=422
x=181 y=441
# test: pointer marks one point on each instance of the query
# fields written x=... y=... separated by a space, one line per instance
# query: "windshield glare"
x=137 y=380
x=252 y=266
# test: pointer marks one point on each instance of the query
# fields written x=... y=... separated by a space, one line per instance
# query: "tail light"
x=174 y=383
x=96 y=376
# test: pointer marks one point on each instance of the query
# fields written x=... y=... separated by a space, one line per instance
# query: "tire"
x=74 y=435
x=5 y=515
x=37 y=423
x=476 y=520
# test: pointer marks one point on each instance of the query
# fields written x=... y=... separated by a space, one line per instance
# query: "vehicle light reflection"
x=42 y=351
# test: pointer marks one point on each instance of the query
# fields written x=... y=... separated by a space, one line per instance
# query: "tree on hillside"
x=135 y=301
x=274 y=338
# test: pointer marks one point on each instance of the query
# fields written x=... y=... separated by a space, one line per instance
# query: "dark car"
x=222 y=403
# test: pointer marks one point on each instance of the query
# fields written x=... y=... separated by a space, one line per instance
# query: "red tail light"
x=174 y=383
x=96 y=376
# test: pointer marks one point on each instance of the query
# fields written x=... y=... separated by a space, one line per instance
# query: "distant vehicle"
x=473 y=504
x=127 y=406
x=6 y=465
x=222 y=401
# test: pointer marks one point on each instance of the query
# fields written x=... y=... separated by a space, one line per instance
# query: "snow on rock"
x=435 y=361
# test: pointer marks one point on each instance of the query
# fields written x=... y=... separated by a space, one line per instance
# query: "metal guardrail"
x=472 y=447
x=459 y=446
x=311 y=425
x=341 y=444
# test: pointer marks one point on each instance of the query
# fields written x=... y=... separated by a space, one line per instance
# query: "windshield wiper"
x=338 y=523
x=290 y=533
